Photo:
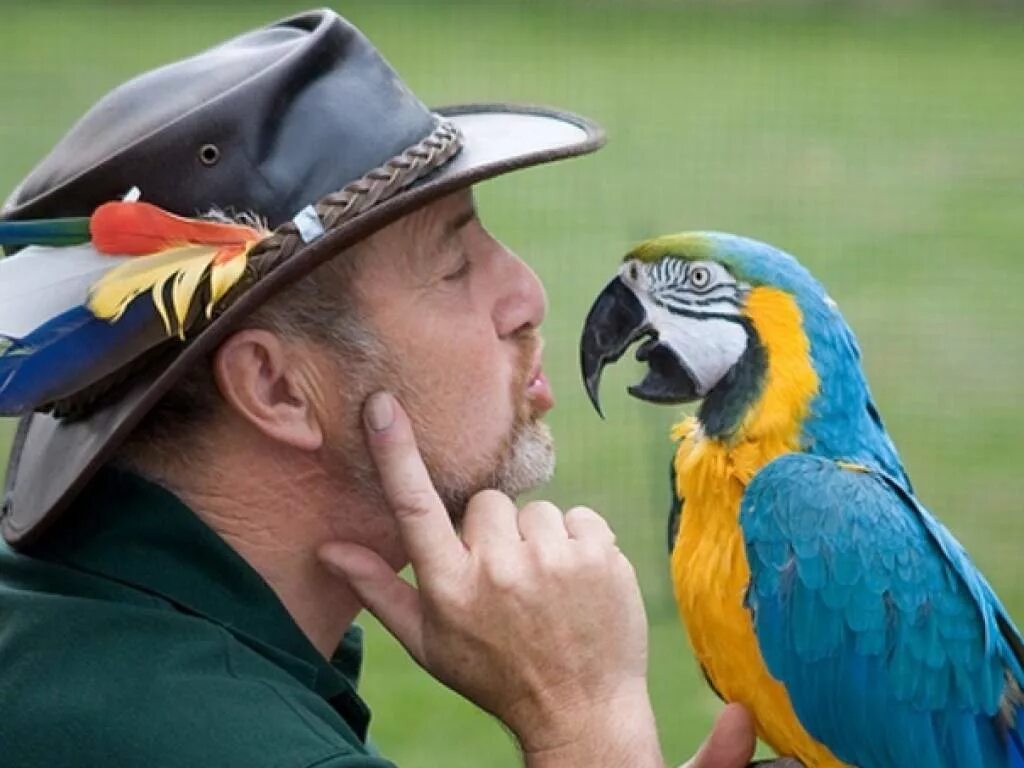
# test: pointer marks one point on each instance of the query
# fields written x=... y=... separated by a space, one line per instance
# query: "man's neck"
x=276 y=521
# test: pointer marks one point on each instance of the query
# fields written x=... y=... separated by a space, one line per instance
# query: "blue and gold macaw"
x=814 y=586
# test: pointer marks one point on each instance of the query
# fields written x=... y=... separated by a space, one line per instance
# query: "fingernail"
x=379 y=412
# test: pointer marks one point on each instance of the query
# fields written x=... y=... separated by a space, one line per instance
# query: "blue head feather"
x=844 y=422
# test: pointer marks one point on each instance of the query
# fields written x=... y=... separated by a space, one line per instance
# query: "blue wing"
x=893 y=648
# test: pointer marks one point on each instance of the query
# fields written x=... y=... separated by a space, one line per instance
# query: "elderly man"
x=216 y=467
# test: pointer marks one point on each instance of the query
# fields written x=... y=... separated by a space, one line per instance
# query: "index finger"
x=423 y=523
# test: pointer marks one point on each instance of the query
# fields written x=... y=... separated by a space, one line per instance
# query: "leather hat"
x=302 y=123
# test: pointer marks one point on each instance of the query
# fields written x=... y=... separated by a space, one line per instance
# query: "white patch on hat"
x=307 y=221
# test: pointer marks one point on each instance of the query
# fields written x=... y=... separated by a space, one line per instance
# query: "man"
x=216 y=468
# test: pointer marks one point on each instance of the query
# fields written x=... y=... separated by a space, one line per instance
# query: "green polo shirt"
x=135 y=636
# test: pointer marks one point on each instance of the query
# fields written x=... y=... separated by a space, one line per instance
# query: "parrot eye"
x=700 y=277
x=634 y=272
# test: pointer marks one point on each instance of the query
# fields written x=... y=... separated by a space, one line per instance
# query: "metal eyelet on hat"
x=209 y=154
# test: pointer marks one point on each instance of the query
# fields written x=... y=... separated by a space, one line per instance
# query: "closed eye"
x=459 y=273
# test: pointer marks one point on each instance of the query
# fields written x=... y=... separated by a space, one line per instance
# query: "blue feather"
x=70 y=352
x=912 y=669
x=1015 y=742
x=68 y=231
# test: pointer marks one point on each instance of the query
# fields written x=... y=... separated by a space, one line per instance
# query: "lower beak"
x=615 y=321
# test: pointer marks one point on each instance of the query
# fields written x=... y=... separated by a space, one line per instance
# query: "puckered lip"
x=538 y=366
x=538 y=388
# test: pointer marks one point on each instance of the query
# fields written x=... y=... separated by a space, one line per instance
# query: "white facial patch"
x=707 y=346
x=690 y=315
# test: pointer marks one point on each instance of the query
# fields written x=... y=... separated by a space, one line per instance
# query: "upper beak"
x=615 y=321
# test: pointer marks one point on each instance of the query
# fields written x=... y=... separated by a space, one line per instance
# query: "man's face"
x=456 y=315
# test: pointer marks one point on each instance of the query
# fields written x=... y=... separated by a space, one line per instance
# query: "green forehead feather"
x=690 y=246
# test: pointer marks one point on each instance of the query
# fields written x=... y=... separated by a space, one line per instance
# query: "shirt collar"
x=135 y=532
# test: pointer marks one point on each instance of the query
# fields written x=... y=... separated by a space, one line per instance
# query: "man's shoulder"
x=90 y=681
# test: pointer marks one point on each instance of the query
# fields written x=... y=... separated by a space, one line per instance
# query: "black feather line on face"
x=688 y=301
x=735 y=302
x=683 y=312
x=728 y=402
x=679 y=301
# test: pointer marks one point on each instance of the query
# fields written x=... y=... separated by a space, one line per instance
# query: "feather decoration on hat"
x=175 y=251
x=70 y=316
x=70 y=231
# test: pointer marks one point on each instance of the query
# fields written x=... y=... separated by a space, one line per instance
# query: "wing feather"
x=892 y=647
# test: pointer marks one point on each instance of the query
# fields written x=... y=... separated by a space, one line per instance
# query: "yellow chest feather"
x=710 y=572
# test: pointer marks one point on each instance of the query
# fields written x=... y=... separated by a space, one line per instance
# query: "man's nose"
x=522 y=303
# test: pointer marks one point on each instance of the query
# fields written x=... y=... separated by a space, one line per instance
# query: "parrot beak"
x=615 y=321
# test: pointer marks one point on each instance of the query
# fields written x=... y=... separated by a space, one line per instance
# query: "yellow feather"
x=183 y=290
x=182 y=267
x=223 y=276
x=710 y=573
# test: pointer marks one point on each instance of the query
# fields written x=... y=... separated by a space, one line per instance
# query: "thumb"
x=731 y=743
x=392 y=600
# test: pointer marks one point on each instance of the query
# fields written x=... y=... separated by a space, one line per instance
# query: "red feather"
x=141 y=229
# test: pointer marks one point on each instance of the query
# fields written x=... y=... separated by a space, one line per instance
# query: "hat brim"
x=52 y=460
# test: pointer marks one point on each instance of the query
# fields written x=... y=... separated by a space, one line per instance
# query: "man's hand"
x=534 y=616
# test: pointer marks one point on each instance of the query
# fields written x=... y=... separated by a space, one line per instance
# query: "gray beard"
x=526 y=463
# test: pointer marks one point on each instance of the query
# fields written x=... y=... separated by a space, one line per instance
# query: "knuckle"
x=489 y=498
x=586 y=519
x=410 y=502
x=542 y=507
x=392 y=446
x=502 y=575
x=545 y=560
x=585 y=515
x=592 y=563
x=595 y=555
x=557 y=564
x=582 y=513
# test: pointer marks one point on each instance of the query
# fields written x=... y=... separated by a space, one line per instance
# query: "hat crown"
x=267 y=122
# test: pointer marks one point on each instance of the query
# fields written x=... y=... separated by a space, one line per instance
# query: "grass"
x=884 y=150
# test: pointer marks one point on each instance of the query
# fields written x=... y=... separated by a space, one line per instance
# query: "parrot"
x=813 y=585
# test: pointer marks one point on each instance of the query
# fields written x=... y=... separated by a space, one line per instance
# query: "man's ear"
x=257 y=376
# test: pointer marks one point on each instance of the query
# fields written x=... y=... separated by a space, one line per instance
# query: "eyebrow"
x=453 y=225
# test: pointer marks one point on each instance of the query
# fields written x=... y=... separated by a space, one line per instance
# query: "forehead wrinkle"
x=397 y=248
x=433 y=233
x=408 y=248
x=454 y=225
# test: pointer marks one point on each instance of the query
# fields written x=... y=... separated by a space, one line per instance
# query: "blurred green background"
x=882 y=144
